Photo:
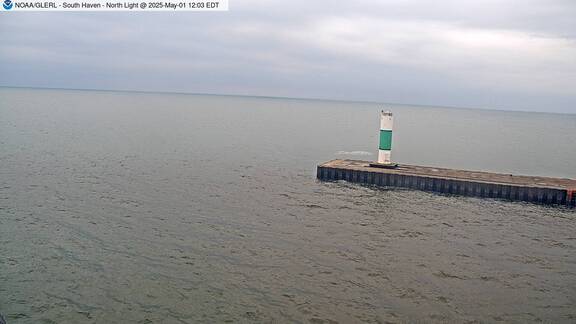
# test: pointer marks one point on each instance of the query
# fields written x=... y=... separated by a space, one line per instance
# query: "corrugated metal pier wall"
x=465 y=187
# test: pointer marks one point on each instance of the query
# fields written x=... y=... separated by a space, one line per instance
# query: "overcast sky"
x=500 y=54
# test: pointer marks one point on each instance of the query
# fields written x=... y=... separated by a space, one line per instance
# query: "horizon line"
x=283 y=97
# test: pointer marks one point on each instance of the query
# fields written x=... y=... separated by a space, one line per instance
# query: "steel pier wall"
x=451 y=186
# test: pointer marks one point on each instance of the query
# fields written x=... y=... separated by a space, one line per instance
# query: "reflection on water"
x=152 y=208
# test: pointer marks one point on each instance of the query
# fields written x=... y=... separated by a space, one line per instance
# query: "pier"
x=541 y=190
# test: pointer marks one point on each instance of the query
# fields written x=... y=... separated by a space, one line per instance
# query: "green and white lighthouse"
x=386 y=122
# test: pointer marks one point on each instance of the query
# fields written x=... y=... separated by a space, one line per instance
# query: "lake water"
x=165 y=208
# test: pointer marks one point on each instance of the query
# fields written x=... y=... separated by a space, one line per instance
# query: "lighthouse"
x=385 y=146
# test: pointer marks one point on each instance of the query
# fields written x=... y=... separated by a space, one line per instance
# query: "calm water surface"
x=160 y=208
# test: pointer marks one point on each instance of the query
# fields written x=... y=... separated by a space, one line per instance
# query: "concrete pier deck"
x=535 y=189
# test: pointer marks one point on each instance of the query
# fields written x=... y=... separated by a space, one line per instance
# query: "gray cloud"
x=495 y=54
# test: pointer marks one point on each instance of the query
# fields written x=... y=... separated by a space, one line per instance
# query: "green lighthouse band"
x=385 y=139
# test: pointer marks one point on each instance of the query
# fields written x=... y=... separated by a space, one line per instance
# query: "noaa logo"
x=8 y=4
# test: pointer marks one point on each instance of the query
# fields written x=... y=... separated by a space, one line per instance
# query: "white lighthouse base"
x=384 y=160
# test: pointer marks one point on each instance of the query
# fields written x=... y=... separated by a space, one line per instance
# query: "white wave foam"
x=353 y=153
